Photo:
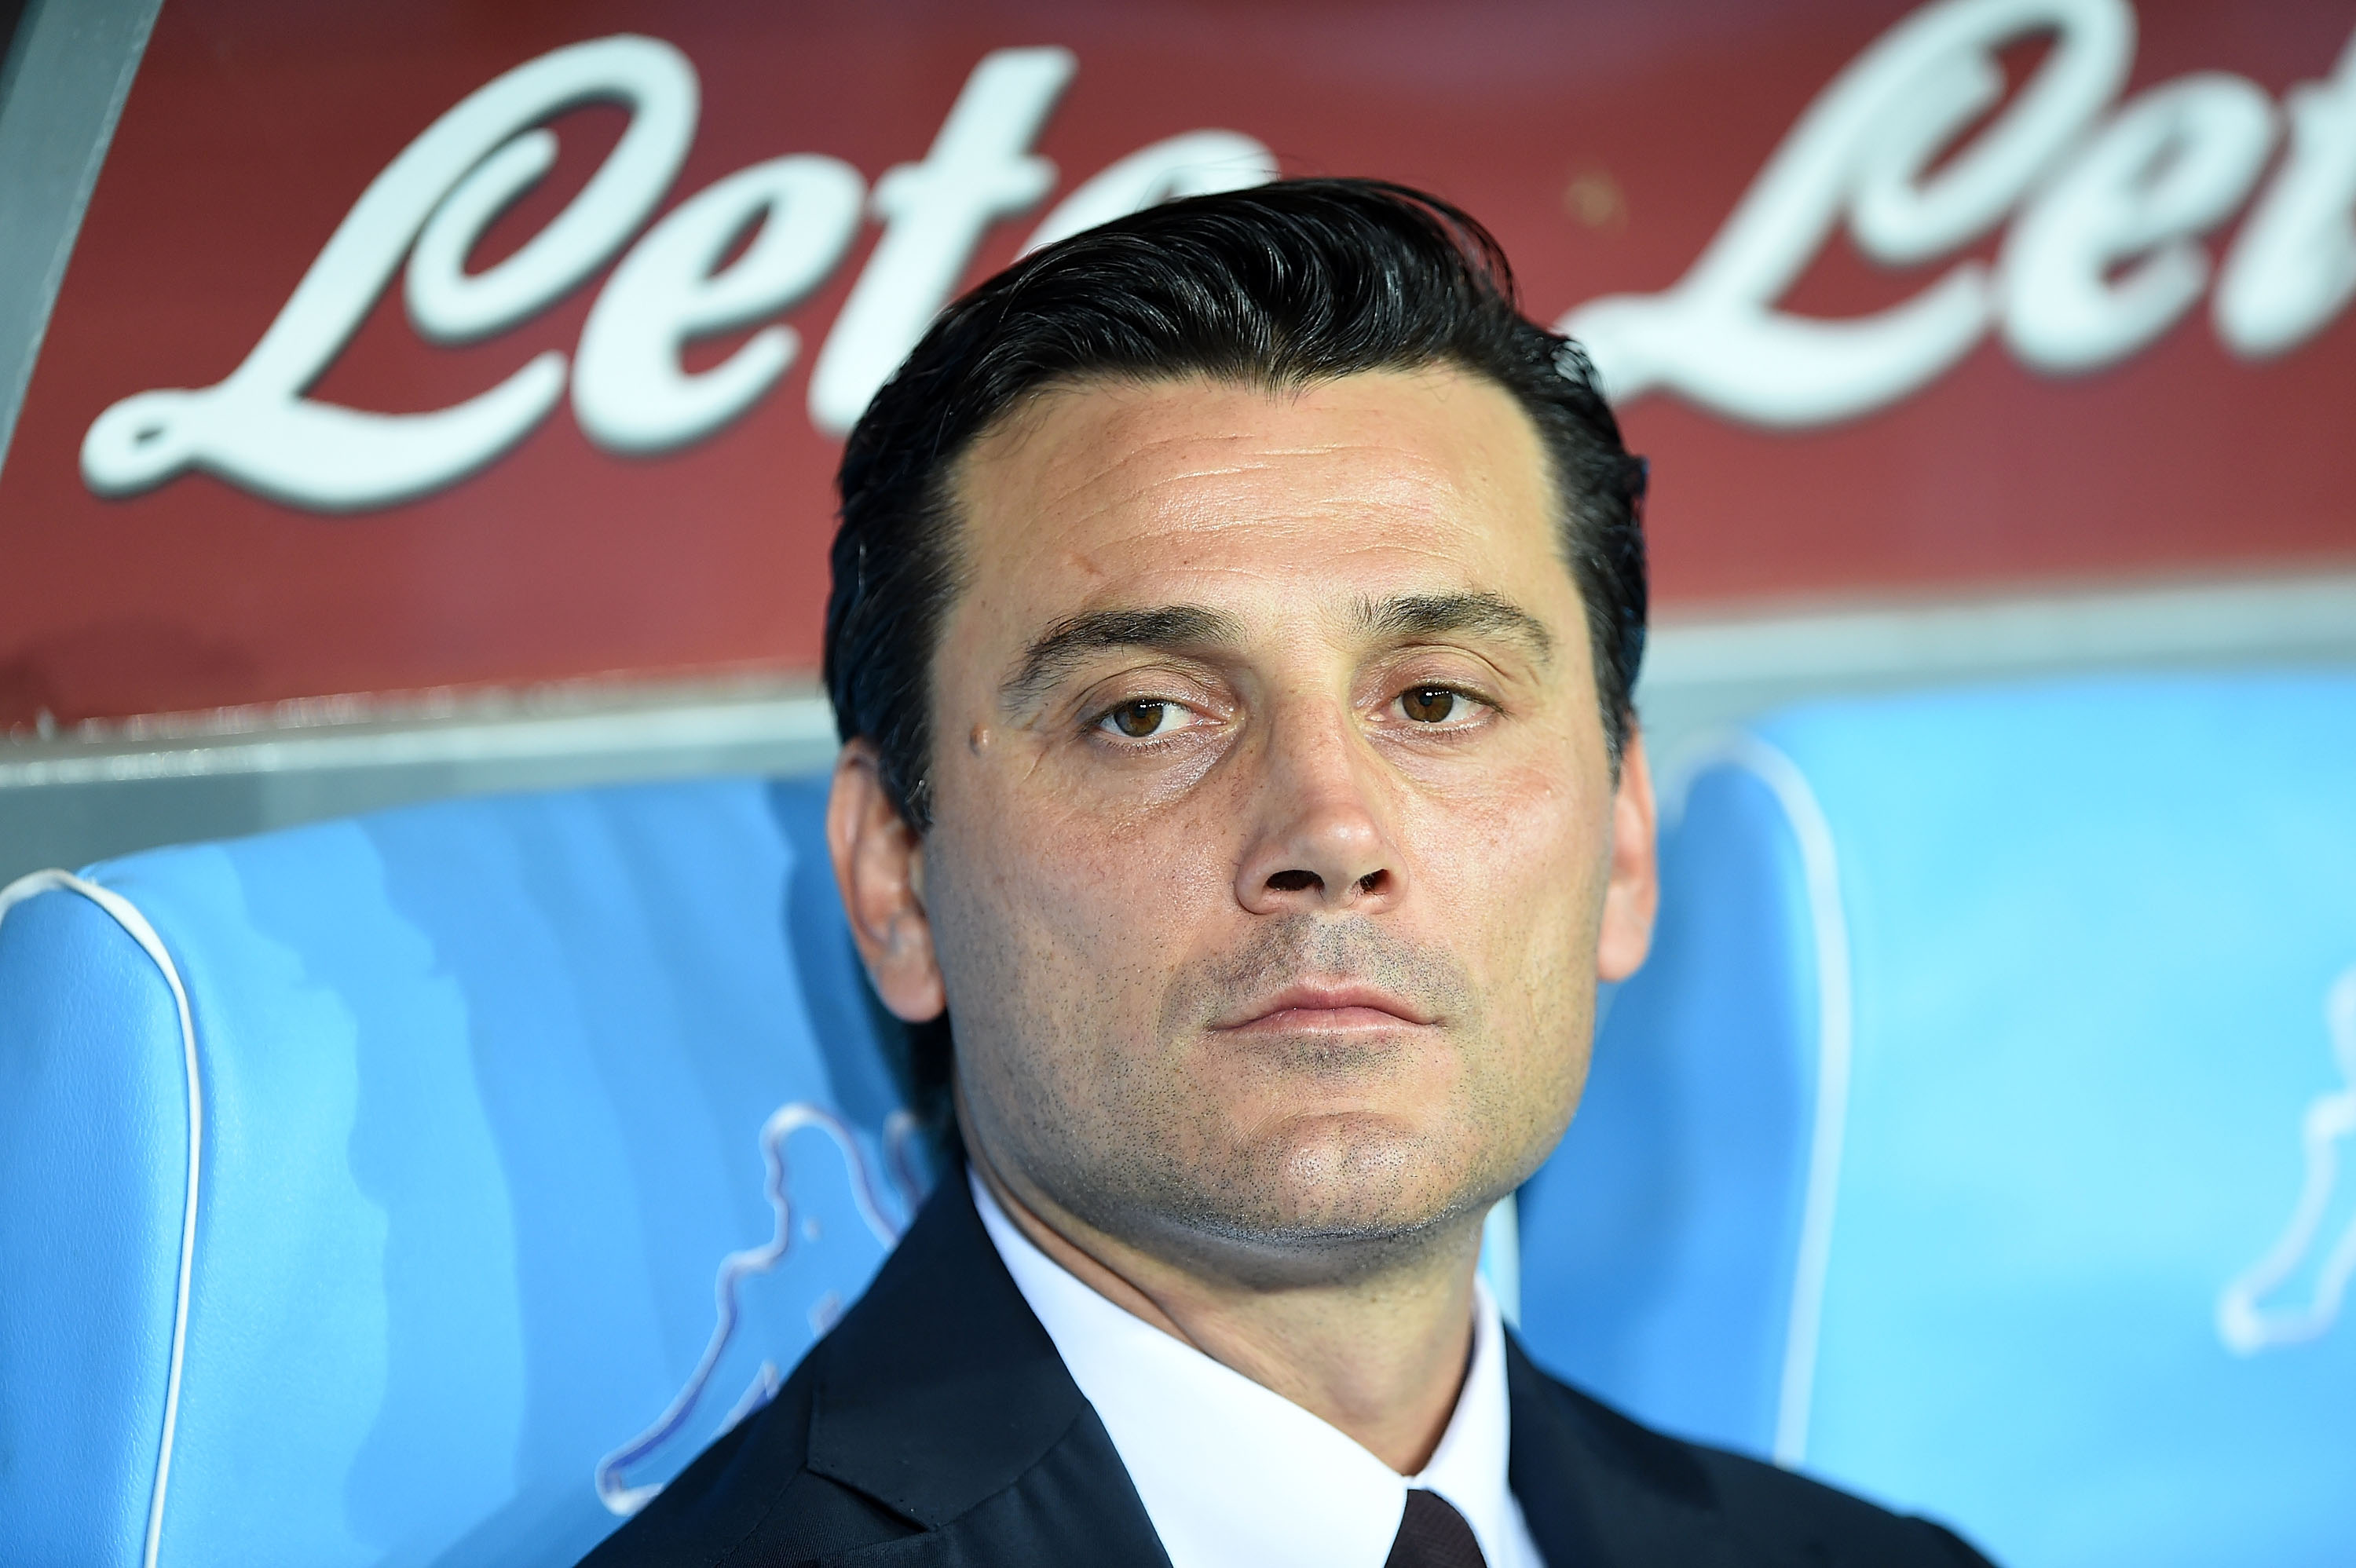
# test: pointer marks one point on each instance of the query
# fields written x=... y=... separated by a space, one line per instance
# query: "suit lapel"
x=942 y=1398
x=1596 y=1489
x=1076 y=1505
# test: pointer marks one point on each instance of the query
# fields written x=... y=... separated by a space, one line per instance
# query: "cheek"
x=1097 y=877
x=1513 y=870
x=1056 y=910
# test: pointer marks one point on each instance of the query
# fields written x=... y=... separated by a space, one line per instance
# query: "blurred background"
x=1850 y=491
x=400 y=402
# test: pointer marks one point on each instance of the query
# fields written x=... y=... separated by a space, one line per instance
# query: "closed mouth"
x=1326 y=1009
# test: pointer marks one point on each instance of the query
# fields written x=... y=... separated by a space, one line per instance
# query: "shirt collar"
x=1231 y=1472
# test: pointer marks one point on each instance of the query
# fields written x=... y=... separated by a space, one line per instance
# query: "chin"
x=1353 y=1180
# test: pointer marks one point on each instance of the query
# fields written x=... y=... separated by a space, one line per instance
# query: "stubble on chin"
x=1291 y=1157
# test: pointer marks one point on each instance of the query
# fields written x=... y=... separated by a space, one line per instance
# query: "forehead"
x=1211 y=491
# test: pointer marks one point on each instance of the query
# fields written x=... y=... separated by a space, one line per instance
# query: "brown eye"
x=1430 y=704
x=1139 y=719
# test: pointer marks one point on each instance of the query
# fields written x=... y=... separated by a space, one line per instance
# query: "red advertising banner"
x=426 y=346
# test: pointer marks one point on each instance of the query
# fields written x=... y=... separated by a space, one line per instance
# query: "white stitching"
x=135 y=924
x=1814 y=837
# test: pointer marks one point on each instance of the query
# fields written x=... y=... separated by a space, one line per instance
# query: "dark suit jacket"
x=937 y=1425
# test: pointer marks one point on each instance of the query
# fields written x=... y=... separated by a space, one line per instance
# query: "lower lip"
x=1324 y=1020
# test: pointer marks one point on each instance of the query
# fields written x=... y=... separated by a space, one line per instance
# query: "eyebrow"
x=1176 y=627
x=1442 y=614
x=1180 y=628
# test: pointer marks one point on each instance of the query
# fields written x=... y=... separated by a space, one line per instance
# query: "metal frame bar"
x=61 y=92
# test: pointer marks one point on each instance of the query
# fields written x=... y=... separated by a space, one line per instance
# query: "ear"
x=879 y=865
x=1634 y=892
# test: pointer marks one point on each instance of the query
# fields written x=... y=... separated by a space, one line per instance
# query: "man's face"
x=1276 y=849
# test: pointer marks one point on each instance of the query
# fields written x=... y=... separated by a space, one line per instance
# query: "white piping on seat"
x=1814 y=837
x=135 y=924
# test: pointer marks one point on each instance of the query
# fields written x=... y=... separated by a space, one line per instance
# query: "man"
x=1234 y=619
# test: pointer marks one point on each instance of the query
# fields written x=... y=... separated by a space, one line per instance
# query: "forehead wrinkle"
x=1396 y=469
x=1152 y=472
x=1174 y=481
x=1202 y=476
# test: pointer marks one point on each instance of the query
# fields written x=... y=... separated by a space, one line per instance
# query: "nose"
x=1323 y=840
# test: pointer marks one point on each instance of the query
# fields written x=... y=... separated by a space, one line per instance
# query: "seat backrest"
x=1975 y=1136
x=512 y=1149
x=1982 y=1132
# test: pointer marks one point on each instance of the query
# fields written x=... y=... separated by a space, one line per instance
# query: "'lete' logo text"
x=2101 y=256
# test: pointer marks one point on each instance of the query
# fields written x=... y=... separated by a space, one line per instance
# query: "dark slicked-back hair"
x=1281 y=286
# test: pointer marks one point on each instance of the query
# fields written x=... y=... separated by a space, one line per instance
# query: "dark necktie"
x=1433 y=1535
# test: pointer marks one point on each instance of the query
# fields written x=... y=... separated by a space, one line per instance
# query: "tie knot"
x=1433 y=1534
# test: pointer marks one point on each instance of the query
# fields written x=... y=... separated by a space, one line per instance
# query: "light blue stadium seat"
x=538 y=1137
x=486 y=1221
x=1982 y=1135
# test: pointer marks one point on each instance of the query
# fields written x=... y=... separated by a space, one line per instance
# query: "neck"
x=1381 y=1358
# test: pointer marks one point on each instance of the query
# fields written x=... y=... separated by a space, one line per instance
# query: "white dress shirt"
x=1234 y=1475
